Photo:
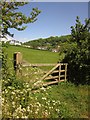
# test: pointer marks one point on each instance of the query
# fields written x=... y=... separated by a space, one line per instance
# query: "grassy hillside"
x=34 y=56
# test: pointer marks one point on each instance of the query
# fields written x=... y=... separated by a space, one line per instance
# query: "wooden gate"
x=57 y=74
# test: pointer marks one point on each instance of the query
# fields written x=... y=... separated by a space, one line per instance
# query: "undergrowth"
x=64 y=100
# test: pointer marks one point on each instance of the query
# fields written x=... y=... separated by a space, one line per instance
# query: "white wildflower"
x=13 y=93
x=28 y=109
x=36 y=112
x=13 y=103
x=38 y=104
x=17 y=116
x=57 y=110
x=43 y=98
x=53 y=101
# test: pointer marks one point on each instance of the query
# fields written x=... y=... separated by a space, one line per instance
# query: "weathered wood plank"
x=51 y=77
x=62 y=80
x=59 y=72
x=55 y=71
x=50 y=83
x=65 y=72
x=62 y=76
x=62 y=70
x=49 y=72
x=41 y=64
x=37 y=65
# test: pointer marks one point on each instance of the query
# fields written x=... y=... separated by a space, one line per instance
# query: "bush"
x=77 y=53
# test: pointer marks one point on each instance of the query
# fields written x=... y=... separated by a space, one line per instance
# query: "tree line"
x=48 y=43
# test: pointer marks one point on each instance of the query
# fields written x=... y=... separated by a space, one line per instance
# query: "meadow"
x=34 y=56
x=62 y=100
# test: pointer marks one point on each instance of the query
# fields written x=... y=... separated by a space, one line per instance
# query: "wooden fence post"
x=65 y=72
x=59 y=71
x=17 y=61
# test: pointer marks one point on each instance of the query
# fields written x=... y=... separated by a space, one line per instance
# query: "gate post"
x=59 y=71
x=17 y=61
x=65 y=72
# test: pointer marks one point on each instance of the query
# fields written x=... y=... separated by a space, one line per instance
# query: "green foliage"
x=5 y=71
x=8 y=74
x=77 y=52
x=14 y=19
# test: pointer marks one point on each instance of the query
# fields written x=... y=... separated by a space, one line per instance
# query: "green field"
x=63 y=100
x=34 y=56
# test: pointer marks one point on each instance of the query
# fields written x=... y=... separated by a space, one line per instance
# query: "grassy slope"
x=34 y=56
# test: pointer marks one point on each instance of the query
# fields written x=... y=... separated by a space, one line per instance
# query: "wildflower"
x=50 y=107
x=37 y=109
x=6 y=91
x=18 y=109
x=47 y=103
x=57 y=110
x=21 y=92
x=36 y=112
x=35 y=72
x=13 y=93
x=24 y=109
x=31 y=111
x=43 y=98
x=9 y=87
x=28 y=108
x=13 y=103
x=48 y=87
x=17 y=116
x=25 y=117
x=43 y=89
x=45 y=113
x=53 y=101
x=27 y=85
x=38 y=104
x=59 y=102
x=46 y=93
x=35 y=98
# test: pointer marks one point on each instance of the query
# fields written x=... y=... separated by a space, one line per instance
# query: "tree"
x=77 y=53
x=13 y=19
